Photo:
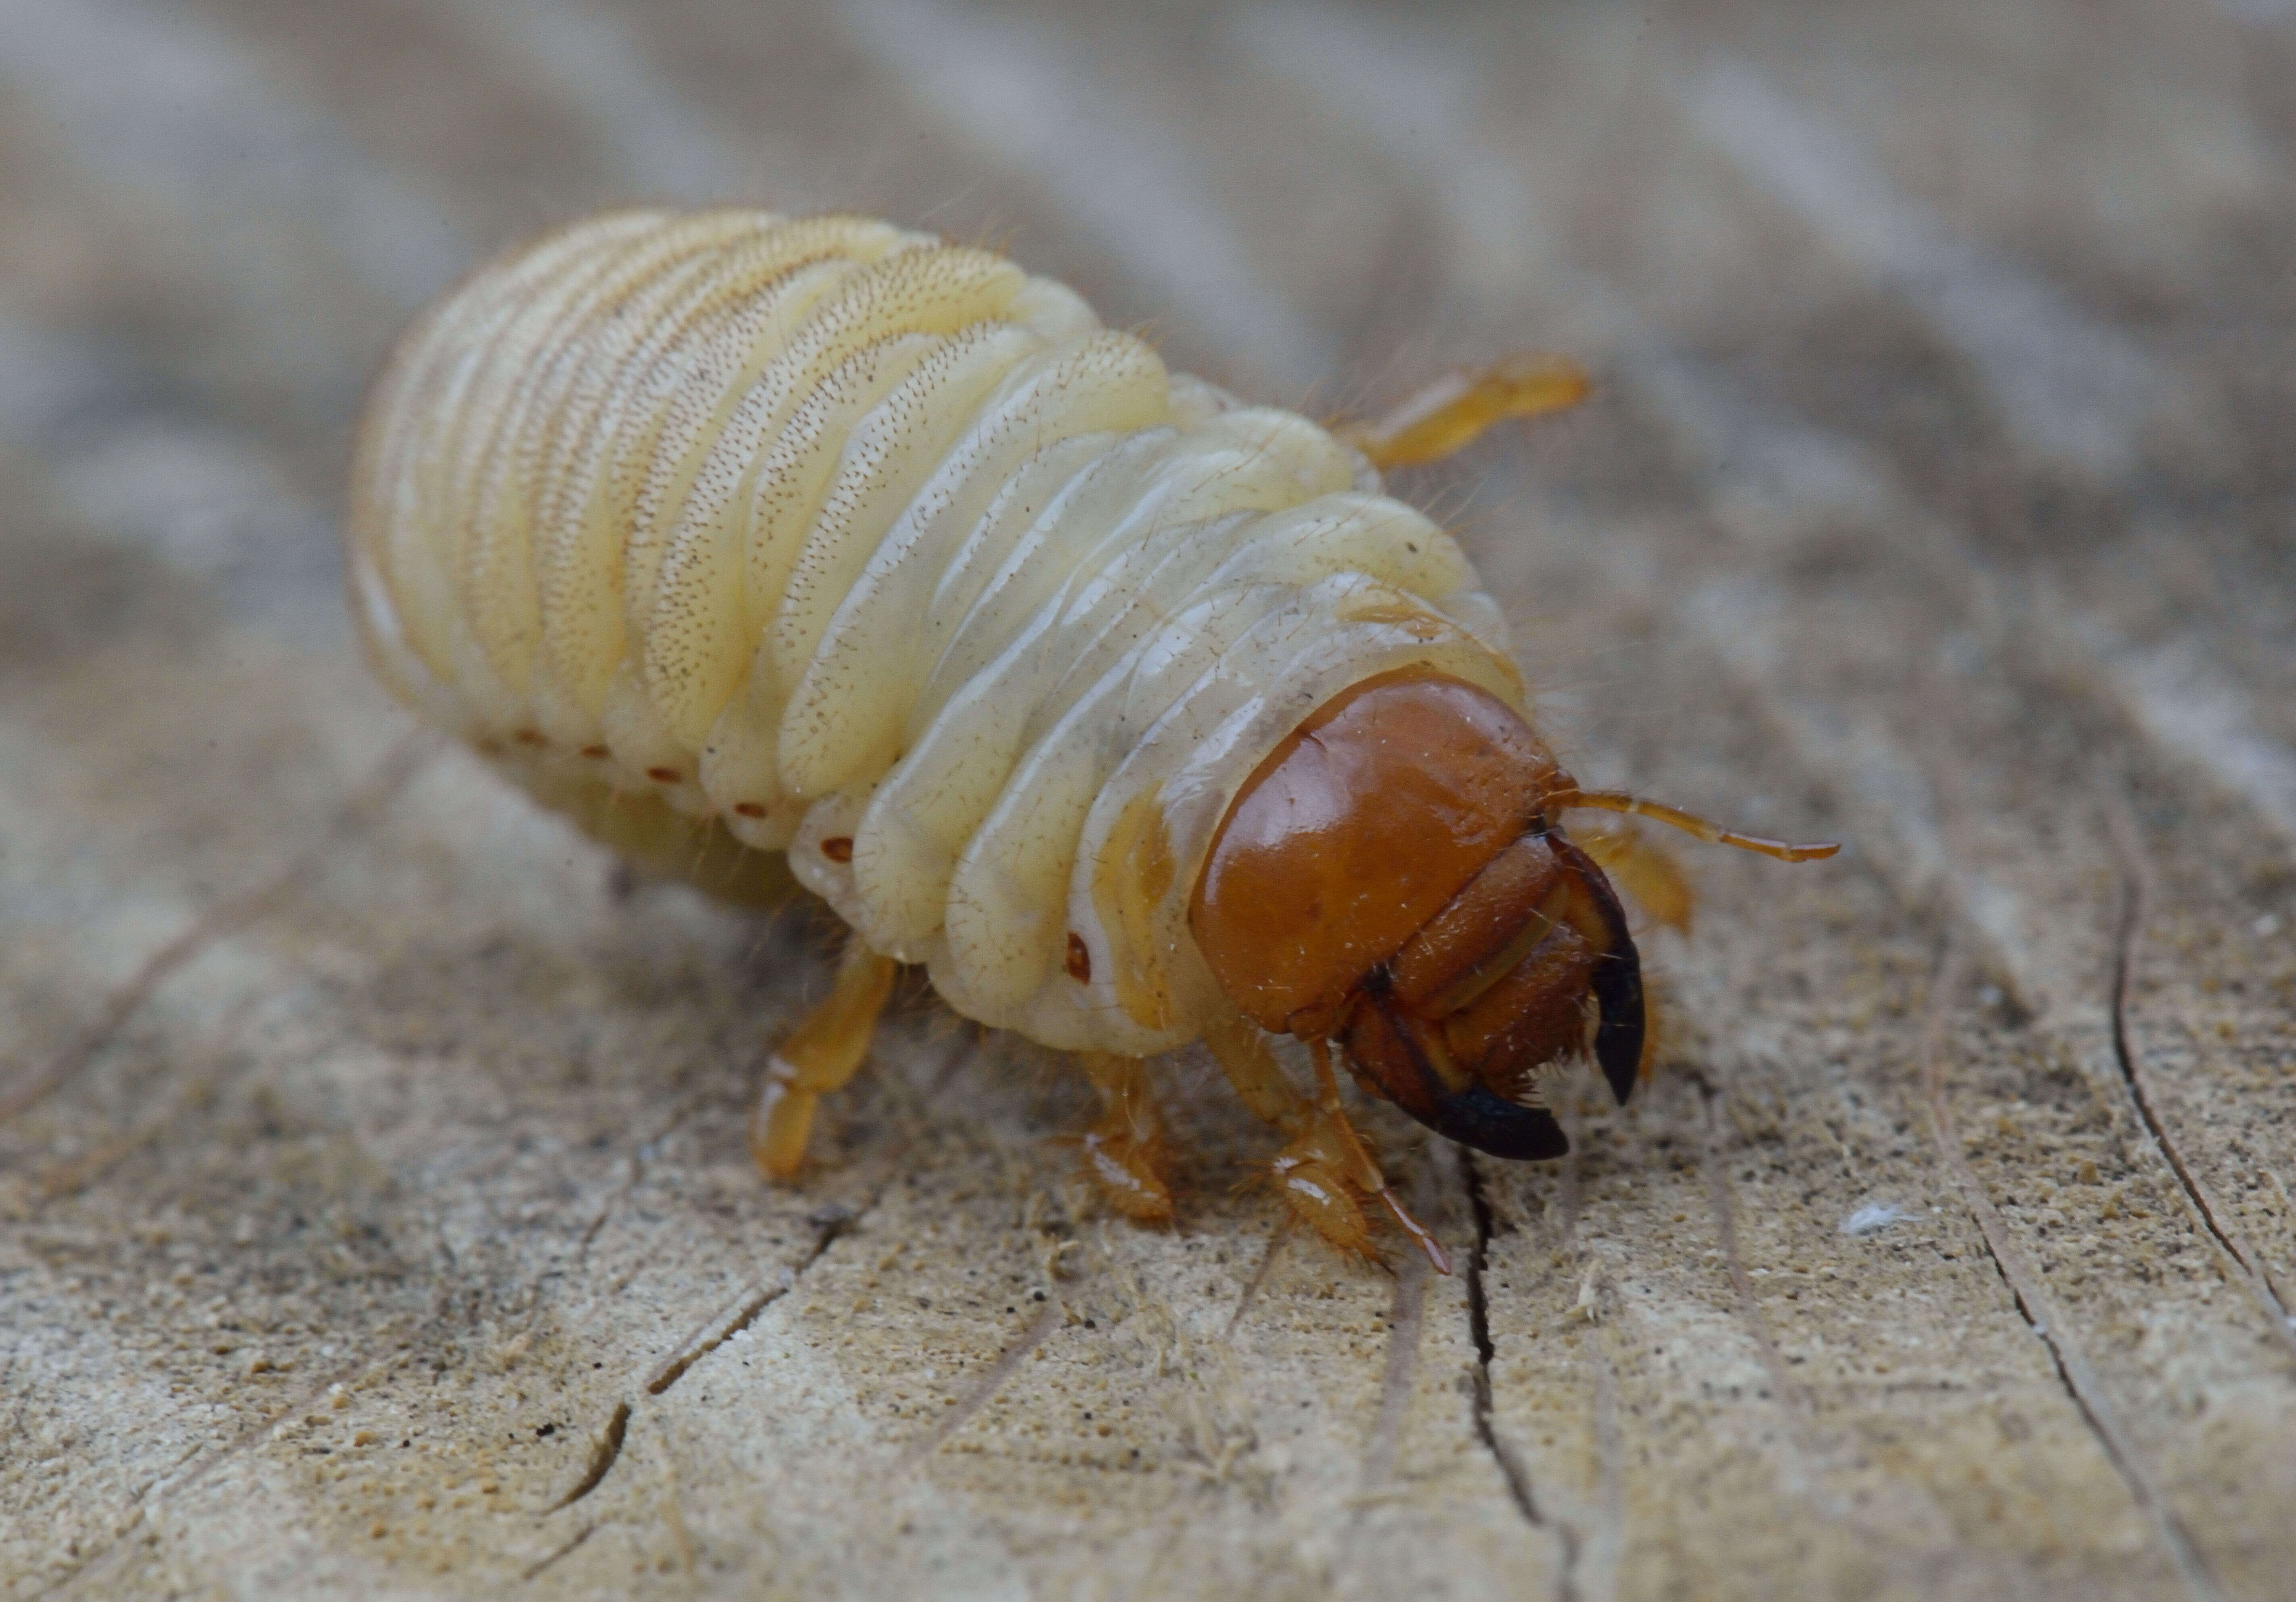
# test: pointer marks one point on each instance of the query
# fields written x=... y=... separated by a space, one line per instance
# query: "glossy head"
x=1390 y=878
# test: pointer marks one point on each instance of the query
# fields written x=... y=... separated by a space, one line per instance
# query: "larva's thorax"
x=883 y=553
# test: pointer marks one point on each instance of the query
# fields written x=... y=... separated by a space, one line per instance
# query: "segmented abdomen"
x=881 y=551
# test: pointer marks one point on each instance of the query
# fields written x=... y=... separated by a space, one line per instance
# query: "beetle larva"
x=1136 y=714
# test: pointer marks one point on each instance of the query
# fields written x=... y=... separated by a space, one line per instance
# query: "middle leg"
x=1123 y=1153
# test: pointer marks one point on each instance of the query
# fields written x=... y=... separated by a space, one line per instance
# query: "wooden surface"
x=374 y=1213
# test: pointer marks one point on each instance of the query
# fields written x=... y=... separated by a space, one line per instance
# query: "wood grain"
x=373 y=1208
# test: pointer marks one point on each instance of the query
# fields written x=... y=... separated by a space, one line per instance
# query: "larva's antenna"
x=1690 y=822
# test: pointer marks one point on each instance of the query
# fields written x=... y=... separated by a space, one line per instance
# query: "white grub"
x=884 y=554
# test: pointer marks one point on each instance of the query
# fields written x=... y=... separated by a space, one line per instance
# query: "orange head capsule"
x=1392 y=877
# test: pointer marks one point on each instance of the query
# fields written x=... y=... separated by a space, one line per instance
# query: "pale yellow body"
x=884 y=554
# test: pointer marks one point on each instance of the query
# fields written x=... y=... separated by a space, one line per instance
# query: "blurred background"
x=1986 y=306
x=1939 y=490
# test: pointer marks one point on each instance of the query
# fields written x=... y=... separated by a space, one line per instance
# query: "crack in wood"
x=1790 y=1393
x=2135 y=899
x=222 y=919
x=1407 y=1315
x=718 y=1329
x=1277 y=1233
x=631 y=1179
x=1816 y=1459
x=1949 y=546
x=714 y=1334
x=1606 y=1543
x=2080 y=1380
x=602 y=1458
x=715 y=1331
x=1008 y=1363
x=581 y=1535
x=605 y=1211
x=1517 y=1478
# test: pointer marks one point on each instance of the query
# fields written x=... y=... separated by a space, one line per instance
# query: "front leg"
x=820 y=1054
x=1327 y=1165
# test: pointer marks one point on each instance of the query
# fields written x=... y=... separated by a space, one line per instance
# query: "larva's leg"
x=1122 y=1152
x=1311 y=1175
x=1327 y=1165
x=820 y=1054
x=1645 y=872
x=1332 y=1131
x=1453 y=412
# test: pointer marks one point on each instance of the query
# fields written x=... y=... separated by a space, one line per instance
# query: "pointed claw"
x=1478 y=1118
x=1617 y=981
x=1617 y=986
x=1420 y=1234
